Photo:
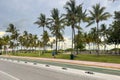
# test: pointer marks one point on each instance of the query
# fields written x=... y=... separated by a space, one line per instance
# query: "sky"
x=23 y=13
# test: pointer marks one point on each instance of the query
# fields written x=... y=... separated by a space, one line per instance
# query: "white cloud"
x=2 y=33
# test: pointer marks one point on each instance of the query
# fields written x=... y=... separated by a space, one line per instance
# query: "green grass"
x=84 y=57
x=101 y=58
x=89 y=57
x=46 y=55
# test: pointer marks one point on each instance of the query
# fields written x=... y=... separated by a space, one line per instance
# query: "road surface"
x=22 y=70
x=14 y=71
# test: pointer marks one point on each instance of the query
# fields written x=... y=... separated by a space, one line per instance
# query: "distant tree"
x=97 y=15
x=45 y=39
x=5 y=42
x=88 y=39
x=79 y=41
x=25 y=39
x=35 y=40
x=14 y=36
x=103 y=32
x=1 y=44
x=114 y=31
x=21 y=41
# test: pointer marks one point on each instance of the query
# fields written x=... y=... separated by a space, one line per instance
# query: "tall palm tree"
x=97 y=15
x=71 y=18
x=42 y=22
x=56 y=22
x=81 y=17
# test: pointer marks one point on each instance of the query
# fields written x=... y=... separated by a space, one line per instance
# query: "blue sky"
x=23 y=13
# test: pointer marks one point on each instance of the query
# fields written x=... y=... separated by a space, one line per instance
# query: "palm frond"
x=90 y=23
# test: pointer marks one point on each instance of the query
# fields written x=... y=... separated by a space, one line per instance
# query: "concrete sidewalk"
x=87 y=63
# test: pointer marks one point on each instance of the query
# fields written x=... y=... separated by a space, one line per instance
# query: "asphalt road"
x=14 y=71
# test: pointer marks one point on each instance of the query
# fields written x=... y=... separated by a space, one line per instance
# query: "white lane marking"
x=9 y=75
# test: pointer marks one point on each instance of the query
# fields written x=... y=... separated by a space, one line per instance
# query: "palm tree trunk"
x=98 y=39
x=43 y=42
x=72 y=40
x=89 y=48
x=104 y=48
x=115 y=49
x=43 y=29
x=56 y=45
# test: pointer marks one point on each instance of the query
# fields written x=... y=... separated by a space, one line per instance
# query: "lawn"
x=84 y=57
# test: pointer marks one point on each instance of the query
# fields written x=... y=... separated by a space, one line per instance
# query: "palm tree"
x=25 y=39
x=79 y=41
x=11 y=45
x=94 y=38
x=42 y=22
x=61 y=38
x=117 y=15
x=30 y=41
x=21 y=41
x=114 y=31
x=97 y=15
x=103 y=31
x=1 y=44
x=71 y=18
x=88 y=40
x=14 y=35
x=81 y=17
x=40 y=45
x=117 y=18
x=35 y=39
x=113 y=37
x=11 y=29
x=56 y=22
x=45 y=39
x=5 y=42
